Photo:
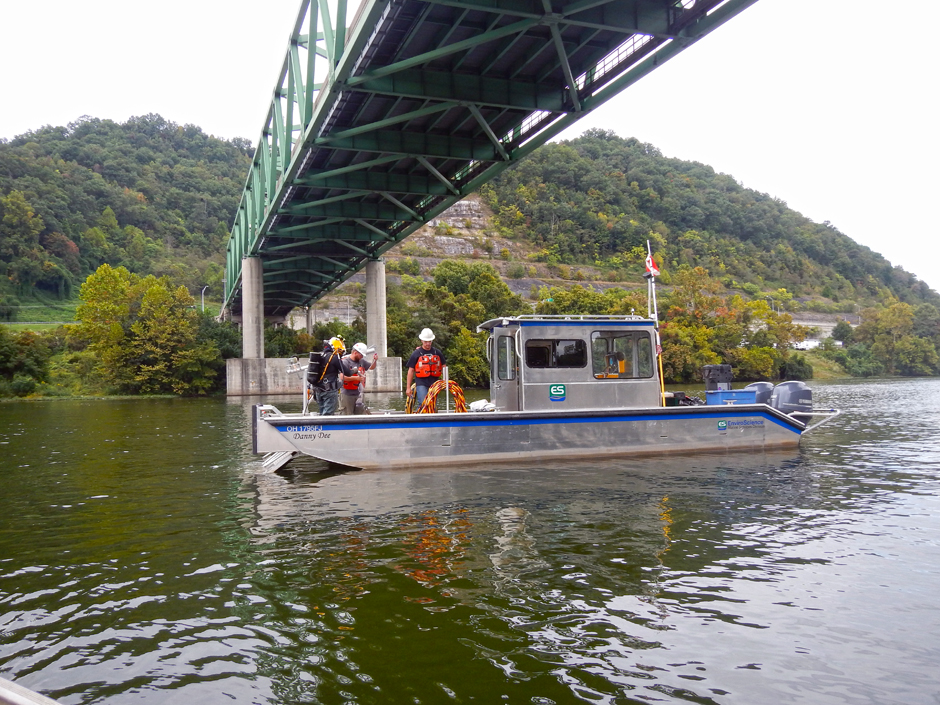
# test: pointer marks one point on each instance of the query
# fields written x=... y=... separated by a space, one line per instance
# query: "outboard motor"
x=716 y=377
x=763 y=390
x=792 y=398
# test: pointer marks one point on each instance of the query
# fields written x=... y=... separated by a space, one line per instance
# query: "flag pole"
x=652 y=308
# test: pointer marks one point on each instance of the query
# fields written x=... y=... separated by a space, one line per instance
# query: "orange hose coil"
x=430 y=401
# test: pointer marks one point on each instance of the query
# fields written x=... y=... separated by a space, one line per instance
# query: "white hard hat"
x=426 y=334
x=360 y=348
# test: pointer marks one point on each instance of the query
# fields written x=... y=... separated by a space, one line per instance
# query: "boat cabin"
x=542 y=363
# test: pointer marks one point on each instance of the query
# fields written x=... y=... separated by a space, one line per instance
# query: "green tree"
x=916 y=357
x=466 y=359
x=143 y=333
x=163 y=349
x=24 y=361
x=883 y=329
x=686 y=349
x=19 y=228
x=491 y=292
x=9 y=307
x=842 y=331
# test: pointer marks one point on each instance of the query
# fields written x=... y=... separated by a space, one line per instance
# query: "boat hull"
x=400 y=440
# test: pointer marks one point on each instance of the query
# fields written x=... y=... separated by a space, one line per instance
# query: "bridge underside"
x=425 y=102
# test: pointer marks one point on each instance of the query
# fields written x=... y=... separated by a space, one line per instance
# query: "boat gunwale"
x=537 y=417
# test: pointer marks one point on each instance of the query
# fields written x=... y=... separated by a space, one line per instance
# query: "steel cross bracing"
x=376 y=128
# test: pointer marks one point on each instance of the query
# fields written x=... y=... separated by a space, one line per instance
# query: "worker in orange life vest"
x=425 y=367
x=353 y=378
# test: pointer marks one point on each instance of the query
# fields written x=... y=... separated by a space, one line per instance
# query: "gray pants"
x=352 y=404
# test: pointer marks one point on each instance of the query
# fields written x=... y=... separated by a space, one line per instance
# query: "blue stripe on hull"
x=483 y=419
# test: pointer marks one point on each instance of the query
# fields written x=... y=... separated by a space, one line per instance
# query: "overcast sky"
x=820 y=103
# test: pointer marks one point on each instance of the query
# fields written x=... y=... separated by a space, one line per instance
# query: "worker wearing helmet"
x=354 y=377
x=425 y=367
x=326 y=391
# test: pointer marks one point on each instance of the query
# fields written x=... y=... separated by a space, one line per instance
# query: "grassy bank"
x=824 y=368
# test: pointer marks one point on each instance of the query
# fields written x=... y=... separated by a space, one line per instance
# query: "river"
x=144 y=558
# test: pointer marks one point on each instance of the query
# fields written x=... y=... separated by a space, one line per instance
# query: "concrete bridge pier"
x=253 y=374
x=376 y=326
x=252 y=308
x=250 y=374
x=386 y=377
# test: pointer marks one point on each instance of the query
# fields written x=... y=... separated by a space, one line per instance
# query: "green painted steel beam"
x=441 y=52
x=388 y=122
x=480 y=90
x=627 y=18
x=287 y=230
x=352 y=210
x=348 y=167
x=348 y=231
x=313 y=177
x=417 y=144
x=412 y=183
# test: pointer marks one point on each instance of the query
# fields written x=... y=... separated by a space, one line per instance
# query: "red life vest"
x=351 y=384
x=428 y=366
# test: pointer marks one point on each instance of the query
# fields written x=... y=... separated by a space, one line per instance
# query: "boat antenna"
x=652 y=271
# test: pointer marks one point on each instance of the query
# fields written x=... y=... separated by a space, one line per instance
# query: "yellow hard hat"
x=337 y=343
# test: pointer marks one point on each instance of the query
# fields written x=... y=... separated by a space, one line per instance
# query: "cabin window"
x=555 y=353
x=505 y=357
x=619 y=355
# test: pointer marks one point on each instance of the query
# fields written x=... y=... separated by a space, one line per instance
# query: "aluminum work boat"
x=561 y=387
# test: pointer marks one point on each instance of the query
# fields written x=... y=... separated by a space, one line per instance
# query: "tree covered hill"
x=147 y=194
x=597 y=200
x=145 y=207
x=158 y=198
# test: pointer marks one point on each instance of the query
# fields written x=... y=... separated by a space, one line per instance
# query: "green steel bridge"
x=380 y=122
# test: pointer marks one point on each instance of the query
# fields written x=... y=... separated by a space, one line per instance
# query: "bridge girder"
x=376 y=128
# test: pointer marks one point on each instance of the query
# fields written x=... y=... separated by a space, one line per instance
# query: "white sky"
x=821 y=103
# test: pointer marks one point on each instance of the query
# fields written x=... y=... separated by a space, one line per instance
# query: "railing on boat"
x=13 y=694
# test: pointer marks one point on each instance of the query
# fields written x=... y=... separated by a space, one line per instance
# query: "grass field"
x=44 y=309
x=32 y=326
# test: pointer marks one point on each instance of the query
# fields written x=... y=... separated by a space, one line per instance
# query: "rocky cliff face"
x=468 y=214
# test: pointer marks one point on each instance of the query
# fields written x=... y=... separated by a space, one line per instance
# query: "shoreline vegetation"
x=823 y=370
x=141 y=336
x=120 y=228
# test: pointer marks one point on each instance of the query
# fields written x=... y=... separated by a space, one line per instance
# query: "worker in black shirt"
x=326 y=391
x=425 y=367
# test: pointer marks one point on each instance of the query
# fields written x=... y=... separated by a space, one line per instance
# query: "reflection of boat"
x=562 y=387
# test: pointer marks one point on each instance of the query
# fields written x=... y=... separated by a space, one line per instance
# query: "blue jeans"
x=420 y=394
x=327 y=401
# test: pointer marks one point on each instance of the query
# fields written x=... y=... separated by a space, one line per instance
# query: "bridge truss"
x=376 y=129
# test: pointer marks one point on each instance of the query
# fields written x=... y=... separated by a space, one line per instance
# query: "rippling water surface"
x=144 y=558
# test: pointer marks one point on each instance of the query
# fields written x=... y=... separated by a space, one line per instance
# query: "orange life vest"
x=428 y=366
x=351 y=382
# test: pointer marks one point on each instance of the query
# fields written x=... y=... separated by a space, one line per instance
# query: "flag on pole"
x=651 y=266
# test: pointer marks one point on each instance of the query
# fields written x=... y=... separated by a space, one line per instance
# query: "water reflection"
x=555 y=582
x=176 y=572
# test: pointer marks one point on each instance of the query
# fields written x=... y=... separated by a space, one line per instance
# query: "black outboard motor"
x=792 y=398
x=763 y=390
x=717 y=377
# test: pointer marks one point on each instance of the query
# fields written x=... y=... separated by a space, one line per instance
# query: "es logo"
x=722 y=425
x=556 y=392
